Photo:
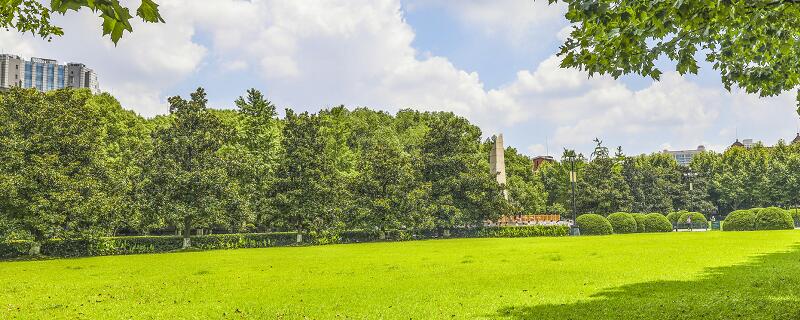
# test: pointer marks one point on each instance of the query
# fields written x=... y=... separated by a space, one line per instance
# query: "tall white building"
x=45 y=74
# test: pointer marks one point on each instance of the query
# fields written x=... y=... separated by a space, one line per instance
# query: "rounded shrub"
x=594 y=224
x=622 y=222
x=740 y=220
x=697 y=218
x=656 y=222
x=675 y=216
x=639 y=217
x=795 y=216
x=774 y=219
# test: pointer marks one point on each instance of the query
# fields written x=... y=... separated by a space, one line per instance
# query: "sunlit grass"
x=621 y=276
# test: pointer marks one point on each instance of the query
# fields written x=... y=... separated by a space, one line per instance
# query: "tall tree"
x=602 y=187
x=260 y=153
x=302 y=196
x=53 y=163
x=752 y=43
x=385 y=178
x=185 y=179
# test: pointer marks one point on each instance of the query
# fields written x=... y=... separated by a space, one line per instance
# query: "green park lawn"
x=703 y=275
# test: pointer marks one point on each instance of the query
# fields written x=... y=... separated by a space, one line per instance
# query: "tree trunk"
x=383 y=235
x=36 y=248
x=187 y=232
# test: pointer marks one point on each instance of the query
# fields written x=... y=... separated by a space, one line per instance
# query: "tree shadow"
x=768 y=287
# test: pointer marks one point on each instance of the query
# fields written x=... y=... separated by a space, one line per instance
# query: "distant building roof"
x=796 y=139
x=537 y=161
x=737 y=144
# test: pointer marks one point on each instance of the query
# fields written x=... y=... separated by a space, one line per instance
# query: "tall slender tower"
x=497 y=161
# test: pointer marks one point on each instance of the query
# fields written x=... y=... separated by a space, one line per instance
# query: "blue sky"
x=490 y=61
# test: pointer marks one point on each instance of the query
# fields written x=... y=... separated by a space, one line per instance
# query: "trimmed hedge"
x=594 y=224
x=740 y=220
x=639 y=217
x=14 y=249
x=675 y=216
x=159 y=244
x=656 y=222
x=622 y=222
x=698 y=219
x=774 y=219
x=525 y=231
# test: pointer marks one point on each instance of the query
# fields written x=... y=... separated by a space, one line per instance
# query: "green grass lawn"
x=708 y=275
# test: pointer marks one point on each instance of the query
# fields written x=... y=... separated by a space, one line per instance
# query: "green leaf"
x=148 y=11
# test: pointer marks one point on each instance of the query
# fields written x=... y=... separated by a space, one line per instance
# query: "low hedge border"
x=158 y=244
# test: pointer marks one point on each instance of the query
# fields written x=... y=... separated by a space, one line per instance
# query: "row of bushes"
x=761 y=219
x=681 y=217
x=623 y=222
x=156 y=244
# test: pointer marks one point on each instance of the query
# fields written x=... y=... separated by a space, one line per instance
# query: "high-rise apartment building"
x=45 y=74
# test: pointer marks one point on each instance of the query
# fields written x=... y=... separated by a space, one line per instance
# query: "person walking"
x=689 y=222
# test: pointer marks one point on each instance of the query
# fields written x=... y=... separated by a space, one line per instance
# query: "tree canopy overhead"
x=754 y=44
x=34 y=17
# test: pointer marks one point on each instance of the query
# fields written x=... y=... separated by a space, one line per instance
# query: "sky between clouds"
x=492 y=61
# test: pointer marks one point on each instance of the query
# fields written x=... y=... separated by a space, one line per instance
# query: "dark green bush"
x=656 y=222
x=622 y=222
x=675 y=216
x=774 y=219
x=13 y=249
x=698 y=219
x=639 y=217
x=740 y=220
x=594 y=224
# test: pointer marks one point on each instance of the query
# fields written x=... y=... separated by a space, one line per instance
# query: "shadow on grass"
x=766 y=288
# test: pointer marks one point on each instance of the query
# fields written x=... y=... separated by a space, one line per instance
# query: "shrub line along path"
x=710 y=275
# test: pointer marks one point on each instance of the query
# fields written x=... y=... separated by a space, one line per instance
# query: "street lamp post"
x=573 y=179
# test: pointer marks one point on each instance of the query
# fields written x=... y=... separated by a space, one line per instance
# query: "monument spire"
x=497 y=161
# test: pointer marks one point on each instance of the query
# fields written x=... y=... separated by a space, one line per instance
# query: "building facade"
x=45 y=74
x=684 y=157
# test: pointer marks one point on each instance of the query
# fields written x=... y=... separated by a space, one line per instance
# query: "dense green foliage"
x=622 y=222
x=678 y=275
x=34 y=17
x=594 y=224
x=78 y=166
x=740 y=220
x=774 y=219
x=750 y=42
x=720 y=182
x=656 y=222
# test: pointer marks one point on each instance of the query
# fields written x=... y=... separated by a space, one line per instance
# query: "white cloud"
x=310 y=54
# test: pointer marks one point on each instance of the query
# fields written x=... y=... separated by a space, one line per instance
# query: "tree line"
x=714 y=184
x=73 y=164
